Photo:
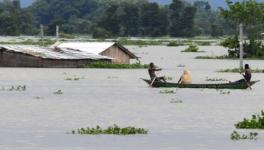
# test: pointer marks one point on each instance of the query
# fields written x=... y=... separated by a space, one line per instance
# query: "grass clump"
x=236 y=136
x=191 y=48
x=15 y=88
x=256 y=122
x=213 y=57
x=116 y=130
x=116 y=66
x=238 y=70
x=175 y=43
x=167 y=91
x=59 y=92
x=215 y=79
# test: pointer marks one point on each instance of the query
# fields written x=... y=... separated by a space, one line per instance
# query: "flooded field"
x=39 y=118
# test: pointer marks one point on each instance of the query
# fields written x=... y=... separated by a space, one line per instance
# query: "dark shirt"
x=247 y=75
x=151 y=72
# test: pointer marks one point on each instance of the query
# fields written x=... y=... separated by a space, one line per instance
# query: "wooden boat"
x=231 y=85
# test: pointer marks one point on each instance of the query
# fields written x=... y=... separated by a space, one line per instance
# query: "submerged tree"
x=251 y=14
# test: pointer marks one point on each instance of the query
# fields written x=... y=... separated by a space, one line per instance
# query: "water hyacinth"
x=236 y=136
x=116 y=130
x=256 y=122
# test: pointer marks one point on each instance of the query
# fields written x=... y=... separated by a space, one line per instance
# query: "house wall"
x=14 y=59
x=115 y=52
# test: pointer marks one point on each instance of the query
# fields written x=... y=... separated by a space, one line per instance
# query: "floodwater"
x=38 y=119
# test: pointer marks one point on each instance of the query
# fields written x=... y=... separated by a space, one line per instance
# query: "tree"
x=187 y=22
x=251 y=14
x=176 y=8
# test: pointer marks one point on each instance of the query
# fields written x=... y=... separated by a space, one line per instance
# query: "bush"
x=116 y=66
x=101 y=33
x=256 y=122
x=110 y=130
x=191 y=48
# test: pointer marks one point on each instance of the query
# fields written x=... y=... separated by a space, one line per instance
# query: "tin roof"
x=91 y=47
x=49 y=53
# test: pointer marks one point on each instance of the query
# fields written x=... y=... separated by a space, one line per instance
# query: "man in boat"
x=186 y=77
x=246 y=75
x=151 y=70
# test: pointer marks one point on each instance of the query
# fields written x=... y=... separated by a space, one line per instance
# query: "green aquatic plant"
x=256 y=122
x=167 y=91
x=116 y=66
x=237 y=70
x=191 y=48
x=116 y=130
x=59 y=92
x=236 y=136
x=14 y=88
x=215 y=79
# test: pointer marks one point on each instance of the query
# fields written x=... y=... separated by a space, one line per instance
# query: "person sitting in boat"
x=186 y=77
x=151 y=70
x=247 y=74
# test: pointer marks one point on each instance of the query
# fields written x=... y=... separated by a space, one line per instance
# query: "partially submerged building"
x=63 y=55
x=32 y=56
x=114 y=50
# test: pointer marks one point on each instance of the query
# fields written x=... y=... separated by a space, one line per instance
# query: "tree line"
x=114 y=18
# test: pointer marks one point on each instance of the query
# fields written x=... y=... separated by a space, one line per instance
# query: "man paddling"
x=151 y=70
x=246 y=75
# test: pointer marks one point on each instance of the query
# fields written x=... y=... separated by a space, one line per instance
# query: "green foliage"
x=175 y=43
x=59 y=92
x=101 y=33
x=238 y=70
x=167 y=91
x=116 y=130
x=213 y=57
x=256 y=122
x=116 y=66
x=14 y=88
x=191 y=48
x=236 y=136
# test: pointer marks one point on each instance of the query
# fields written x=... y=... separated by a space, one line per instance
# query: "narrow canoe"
x=231 y=85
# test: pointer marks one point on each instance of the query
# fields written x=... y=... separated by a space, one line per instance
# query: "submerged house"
x=116 y=51
x=32 y=56
x=63 y=55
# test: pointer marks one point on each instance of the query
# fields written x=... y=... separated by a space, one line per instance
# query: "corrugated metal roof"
x=50 y=53
x=90 y=47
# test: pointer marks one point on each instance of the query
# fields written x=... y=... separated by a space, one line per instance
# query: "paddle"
x=249 y=86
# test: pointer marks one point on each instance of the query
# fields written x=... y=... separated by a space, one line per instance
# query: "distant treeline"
x=113 y=18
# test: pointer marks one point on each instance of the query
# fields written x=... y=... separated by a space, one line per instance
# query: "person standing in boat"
x=186 y=77
x=247 y=74
x=151 y=70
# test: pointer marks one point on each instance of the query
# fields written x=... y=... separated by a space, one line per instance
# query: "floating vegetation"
x=177 y=101
x=256 y=122
x=59 y=92
x=236 y=136
x=167 y=91
x=191 y=48
x=116 y=130
x=75 y=78
x=112 y=77
x=181 y=65
x=238 y=70
x=223 y=92
x=15 y=88
x=116 y=66
x=168 y=78
x=215 y=79
x=213 y=57
x=175 y=43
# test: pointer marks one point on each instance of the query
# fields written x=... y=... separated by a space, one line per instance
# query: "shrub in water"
x=110 y=130
x=256 y=122
x=236 y=136
x=191 y=48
